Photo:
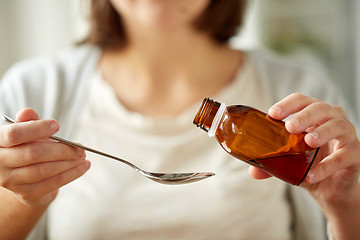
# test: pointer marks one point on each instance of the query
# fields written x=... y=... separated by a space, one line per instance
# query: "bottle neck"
x=209 y=116
x=216 y=120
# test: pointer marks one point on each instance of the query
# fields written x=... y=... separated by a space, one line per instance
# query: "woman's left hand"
x=334 y=178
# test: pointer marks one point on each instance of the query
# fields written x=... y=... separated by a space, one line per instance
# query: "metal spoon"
x=164 y=178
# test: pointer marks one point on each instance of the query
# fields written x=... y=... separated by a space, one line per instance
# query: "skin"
x=29 y=176
x=166 y=67
x=333 y=180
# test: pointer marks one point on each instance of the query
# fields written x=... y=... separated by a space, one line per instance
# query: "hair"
x=221 y=20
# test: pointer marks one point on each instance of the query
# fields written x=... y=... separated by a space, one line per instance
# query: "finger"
x=27 y=114
x=19 y=133
x=37 y=152
x=339 y=129
x=258 y=173
x=40 y=171
x=289 y=105
x=329 y=165
x=34 y=191
x=314 y=114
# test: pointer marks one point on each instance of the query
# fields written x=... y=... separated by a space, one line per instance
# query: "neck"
x=159 y=58
x=168 y=67
x=154 y=51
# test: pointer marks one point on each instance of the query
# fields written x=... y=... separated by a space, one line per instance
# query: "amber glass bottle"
x=252 y=136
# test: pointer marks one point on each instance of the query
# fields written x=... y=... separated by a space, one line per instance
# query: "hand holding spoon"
x=164 y=178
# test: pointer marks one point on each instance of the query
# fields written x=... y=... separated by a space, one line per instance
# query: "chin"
x=160 y=14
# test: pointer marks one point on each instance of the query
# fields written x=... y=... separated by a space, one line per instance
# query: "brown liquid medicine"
x=257 y=139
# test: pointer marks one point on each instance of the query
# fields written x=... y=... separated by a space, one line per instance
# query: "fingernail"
x=311 y=177
x=294 y=122
x=314 y=135
x=80 y=152
x=87 y=164
x=275 y=109
x=54 y=125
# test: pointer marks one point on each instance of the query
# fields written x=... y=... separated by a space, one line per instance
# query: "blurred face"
x=160 y=14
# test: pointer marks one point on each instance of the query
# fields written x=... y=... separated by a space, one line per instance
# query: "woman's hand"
x=32 y=166
x=333 y=179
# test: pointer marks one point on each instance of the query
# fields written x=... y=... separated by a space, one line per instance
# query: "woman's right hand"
x=32 y=166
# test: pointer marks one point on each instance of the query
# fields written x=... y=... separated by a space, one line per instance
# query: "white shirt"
x=59 y=86
x=112 y=201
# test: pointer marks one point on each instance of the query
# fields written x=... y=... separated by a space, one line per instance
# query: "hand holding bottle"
x=327 y=127
x=334 y=178
x=32 y=167
x=252 y=136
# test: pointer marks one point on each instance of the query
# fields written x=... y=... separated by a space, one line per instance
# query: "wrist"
x=17 y=219
x=343 y=201
x=343 y=216
x=41 y=202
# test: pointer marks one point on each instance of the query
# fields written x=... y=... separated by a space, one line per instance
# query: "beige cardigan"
x=56 y=85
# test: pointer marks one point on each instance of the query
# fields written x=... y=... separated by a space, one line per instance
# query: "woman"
x=132 y=89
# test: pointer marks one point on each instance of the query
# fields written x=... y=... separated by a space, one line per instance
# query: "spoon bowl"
x=177 y=178
x=164 y=178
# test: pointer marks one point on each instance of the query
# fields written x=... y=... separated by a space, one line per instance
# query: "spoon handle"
x=68 y=142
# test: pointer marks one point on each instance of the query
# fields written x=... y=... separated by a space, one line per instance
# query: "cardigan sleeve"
x=282 y=78
x=54 y=86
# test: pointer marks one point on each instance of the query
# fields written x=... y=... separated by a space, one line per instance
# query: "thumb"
x=27 y=114
x=257 y=173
